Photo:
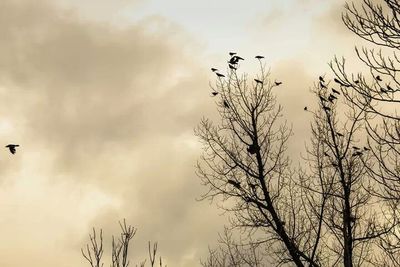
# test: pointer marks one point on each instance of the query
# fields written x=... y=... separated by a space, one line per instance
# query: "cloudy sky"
x=103 y=96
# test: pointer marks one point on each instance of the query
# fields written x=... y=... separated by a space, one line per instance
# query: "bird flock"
x=233 y=64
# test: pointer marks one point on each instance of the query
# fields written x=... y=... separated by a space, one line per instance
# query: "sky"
x=103 y=97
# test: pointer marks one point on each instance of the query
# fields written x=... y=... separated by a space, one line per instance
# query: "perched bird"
x=234 y=183
x=234 y=60
x=366 y=148
x=12 y=147
x=232 y=67
x=214 y=69
x=321 y=79
x=356 y=81
x=232 y=54
x=378 y=78
x=322 y=85
x=358 y=153
x=356 y=148
x=226 y=105
x=278 y=83
x=339 y=134
x=335 y=91
x=332 y=96
x=389 y=88
x=383 y=90
x=259 y=57
x=252 y=149
x=326 y=154
x=219 y=74
x=305 y=108
x=257 y=81
x=214 y=93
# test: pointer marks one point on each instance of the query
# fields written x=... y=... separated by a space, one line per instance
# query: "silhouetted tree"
x=324 y=214
x=244 y=163
x=119 y=249
x=377 y=93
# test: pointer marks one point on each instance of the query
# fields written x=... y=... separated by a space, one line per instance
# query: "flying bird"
x=335 y=91
x=257 y=81
x=259 y=57
x=12 y=147
x=378 y=78
x=278 y=83
x=214 y=69
x=219 y=74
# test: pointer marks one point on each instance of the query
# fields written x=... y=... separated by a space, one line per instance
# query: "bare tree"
x=245 y=165
x=94 y=250
x=119 y=248
x=379 y=92
x=325 y=214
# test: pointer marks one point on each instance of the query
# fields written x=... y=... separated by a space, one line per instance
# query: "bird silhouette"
x=226 y=105
x=12 y=147
x=378 y=78
x=252 y=149
x=339 y=134
x=232 y=67
x=321 y=79
x=389 y=88
x=326 y=108
x=214 y=93
x=219 y=74
x=322 y=85
x=214 y=69
x=257 y=81
x=356 y=148
x=366 y=148
x=358 y=153
x=332 y=97
x=305 y=108
x=234 y=183
x=322 y=98
x=338 y=81
x=356 y=81
x=232 y=54
x=278 y=83
x=235 y=60
x=383 y=90
x=259 y=57
x=335 y=91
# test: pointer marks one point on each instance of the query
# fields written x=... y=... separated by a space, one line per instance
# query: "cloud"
x=105 y=119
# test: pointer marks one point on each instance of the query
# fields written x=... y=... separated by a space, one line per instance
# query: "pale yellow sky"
x=103 y=97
